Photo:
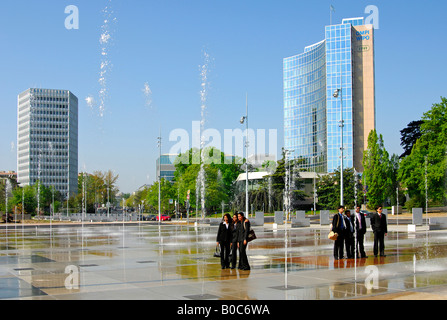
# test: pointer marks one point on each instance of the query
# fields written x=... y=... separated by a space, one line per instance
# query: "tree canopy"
x=428 y=154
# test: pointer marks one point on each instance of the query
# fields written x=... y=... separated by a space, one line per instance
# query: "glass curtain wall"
x=339 y=76
x=305 y=107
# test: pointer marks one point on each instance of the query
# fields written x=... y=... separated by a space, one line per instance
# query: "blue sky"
x=162 y=43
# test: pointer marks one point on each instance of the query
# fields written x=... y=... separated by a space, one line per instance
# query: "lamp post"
x=245 y=120
x=108 y=201
x=315 y=183
x=159 y=179
x=287 y=206
x=337 y=93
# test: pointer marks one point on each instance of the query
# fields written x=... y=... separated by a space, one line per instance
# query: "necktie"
x=360 y=220
x=342 y=222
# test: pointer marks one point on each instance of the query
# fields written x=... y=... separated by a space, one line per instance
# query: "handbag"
x=251 y=235
x=217 y=252
x=333 y=236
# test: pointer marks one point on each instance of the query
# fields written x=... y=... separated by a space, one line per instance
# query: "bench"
x=437 y=223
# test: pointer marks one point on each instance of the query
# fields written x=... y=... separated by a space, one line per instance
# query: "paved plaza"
x=146 y=261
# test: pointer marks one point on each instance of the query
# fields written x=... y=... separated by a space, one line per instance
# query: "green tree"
x=409 y=136
x=168 y=191
x=219 y=174
x=328 y=189
x=428 y=153
x=29 y=194
x=376 y=175
x=278 y=181
x=97 y=188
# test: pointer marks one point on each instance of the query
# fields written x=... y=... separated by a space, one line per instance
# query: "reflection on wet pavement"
x=143 y=261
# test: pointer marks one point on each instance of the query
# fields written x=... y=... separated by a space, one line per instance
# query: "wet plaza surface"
x=175 y=262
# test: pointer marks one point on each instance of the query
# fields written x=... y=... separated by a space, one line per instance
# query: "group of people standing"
x=232 y=237
x=351 y=227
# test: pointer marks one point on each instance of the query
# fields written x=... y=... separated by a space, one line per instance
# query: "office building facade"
x=47 y=139
x=166 y=166
x=314 y=118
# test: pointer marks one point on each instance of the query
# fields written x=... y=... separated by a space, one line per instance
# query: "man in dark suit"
x=380 y=228
x=349 y=235
x=339 y=226
x=360 y=225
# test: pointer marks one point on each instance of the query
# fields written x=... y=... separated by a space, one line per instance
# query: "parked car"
x=151 y=218
x=367 y=214
x=143 y=217
x=163 y=218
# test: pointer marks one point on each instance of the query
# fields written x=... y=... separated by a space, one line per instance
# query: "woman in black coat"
x=234 y=237
x=243 y=232
x=224 y=238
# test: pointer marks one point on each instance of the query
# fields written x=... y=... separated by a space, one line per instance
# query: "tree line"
x=419 y=171
x=94 y=191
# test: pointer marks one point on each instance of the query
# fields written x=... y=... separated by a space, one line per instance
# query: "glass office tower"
x=314 y=118
x=47 y=139
x=305 y=107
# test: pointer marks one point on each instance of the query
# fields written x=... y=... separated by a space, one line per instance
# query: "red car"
x=163 y=218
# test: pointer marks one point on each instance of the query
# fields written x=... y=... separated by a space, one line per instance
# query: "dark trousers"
x=349 y=243
x=243 y=259
x=360 y=246
x=338 y=247
x=225 y=254
x=233 y=254
x=379 y=241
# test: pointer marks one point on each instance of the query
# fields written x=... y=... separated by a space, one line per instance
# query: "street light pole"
x=342 y=125
x=337 y=93
x=159 y=179
x=245 y=120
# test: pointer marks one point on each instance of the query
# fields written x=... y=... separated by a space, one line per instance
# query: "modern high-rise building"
x=166 y=166
x=47 y=139
x=330 y=89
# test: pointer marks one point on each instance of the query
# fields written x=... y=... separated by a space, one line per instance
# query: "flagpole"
x=331 y=9
x=330 y=14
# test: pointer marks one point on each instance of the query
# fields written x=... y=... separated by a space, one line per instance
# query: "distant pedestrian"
x=224 y=240
x=379 y=226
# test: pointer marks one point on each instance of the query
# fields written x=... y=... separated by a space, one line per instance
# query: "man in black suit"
x=380 y=228
x=339 y=226
x=349 y=235
x=360 y=225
